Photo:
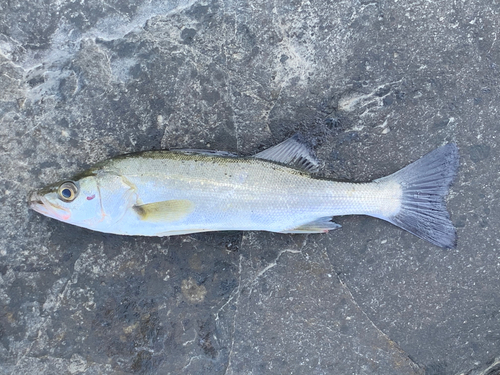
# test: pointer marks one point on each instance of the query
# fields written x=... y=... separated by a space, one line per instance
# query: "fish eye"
x=67 y=191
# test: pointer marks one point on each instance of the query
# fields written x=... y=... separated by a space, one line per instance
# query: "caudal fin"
x=425 y=184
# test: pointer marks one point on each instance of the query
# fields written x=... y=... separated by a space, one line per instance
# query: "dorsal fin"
x=292 y=152
x=204 y=152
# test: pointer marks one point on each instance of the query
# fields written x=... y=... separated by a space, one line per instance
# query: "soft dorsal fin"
x=292 y=152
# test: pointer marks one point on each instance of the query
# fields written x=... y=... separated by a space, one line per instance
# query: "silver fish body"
x=238 y=194
x=161 y=193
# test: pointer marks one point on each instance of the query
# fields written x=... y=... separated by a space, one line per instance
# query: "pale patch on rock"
x=77 y=365
x=192 y=291
x=131 y=328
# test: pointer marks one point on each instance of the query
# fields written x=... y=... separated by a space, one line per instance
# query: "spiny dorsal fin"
x=205 y=152
x=293 y=153
x=164 y=211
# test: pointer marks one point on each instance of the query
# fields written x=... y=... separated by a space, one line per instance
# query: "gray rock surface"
x=373 y=85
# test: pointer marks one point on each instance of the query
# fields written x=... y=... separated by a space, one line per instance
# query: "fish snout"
x=39 y=203
x=34 y=199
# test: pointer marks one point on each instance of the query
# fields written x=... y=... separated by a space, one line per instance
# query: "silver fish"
x=163 y=193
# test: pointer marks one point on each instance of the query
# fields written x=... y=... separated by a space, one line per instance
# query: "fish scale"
x=249 y=194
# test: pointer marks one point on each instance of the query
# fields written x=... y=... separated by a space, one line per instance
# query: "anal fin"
x=321 y=225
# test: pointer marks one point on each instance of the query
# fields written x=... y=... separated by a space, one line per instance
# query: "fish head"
x=95 y=200
x=71 y=201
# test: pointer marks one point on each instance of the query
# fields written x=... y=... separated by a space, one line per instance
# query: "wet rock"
x=371 y=85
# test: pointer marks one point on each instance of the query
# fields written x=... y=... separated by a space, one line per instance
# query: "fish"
x=182 y=191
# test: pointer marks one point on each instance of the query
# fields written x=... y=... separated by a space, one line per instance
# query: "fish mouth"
x=34 y=199
x=41 y=205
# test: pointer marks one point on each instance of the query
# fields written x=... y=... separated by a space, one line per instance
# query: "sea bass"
x=164 y=193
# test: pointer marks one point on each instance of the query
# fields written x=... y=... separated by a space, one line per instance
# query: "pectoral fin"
x=321 y=225
x=164 y=211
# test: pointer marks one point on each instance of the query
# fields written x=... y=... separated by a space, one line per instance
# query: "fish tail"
x=425 y=184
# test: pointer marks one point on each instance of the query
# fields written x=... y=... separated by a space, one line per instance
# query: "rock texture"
x=373 y=85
